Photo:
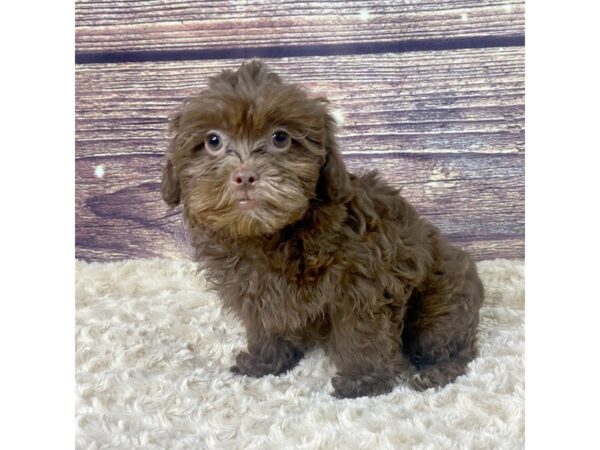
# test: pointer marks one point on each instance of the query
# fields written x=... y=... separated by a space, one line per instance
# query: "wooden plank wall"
x=431 y=94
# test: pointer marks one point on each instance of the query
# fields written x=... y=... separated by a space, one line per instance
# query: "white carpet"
x=153 y=351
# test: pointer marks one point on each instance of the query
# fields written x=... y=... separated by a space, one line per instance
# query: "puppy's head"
x=249 y=153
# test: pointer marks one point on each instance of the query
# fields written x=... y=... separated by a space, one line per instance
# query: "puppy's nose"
x=244 y=178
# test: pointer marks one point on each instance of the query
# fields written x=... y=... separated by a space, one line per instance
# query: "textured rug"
x=152 y=356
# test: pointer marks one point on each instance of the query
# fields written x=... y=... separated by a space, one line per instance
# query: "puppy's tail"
x=439 y=373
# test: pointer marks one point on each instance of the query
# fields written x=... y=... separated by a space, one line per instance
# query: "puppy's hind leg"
x=440 y=332
x=439 y=373
x=438 y=355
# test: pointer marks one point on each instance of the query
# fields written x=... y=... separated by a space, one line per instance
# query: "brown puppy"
x=305 y=252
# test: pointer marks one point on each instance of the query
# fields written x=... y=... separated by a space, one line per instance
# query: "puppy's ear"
x=334 y=183
x=169 y=185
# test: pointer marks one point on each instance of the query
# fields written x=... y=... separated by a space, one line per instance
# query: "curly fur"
x=324 y=256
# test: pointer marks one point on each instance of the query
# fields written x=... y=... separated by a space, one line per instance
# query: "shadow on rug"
x=153 y=351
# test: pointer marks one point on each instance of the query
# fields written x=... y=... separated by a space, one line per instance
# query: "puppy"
x=306 y=253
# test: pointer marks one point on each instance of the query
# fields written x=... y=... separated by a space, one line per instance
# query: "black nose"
x=244 y=178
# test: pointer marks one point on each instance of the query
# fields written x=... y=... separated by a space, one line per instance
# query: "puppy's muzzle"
x=244 y=181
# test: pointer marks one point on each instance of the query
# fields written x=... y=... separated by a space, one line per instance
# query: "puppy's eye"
x=213 y=142
x=280 y=139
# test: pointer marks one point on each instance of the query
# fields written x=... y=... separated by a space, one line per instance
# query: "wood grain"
x=106 y=25
x=441 y=102
x=476 y=199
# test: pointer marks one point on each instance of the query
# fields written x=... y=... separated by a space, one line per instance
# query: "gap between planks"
x=359 y=48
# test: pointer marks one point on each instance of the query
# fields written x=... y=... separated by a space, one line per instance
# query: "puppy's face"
x=249 y=153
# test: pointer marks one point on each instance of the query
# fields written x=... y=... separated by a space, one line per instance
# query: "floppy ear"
x=334 y=183
x=169 y=185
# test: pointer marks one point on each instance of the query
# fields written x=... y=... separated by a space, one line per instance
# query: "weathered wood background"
x=431 y=93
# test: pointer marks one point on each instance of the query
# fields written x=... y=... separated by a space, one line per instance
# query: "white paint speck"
x=508 y=8
x=364 y=14
x=464 y=17
x=338 y=116
x=99 y=171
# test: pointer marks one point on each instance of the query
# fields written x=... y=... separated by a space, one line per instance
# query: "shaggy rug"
x=153 y=351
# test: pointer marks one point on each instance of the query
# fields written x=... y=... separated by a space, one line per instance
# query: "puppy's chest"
x=293 y=277
x=289 y=289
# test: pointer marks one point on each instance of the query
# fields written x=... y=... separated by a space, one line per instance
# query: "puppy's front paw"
x=280 y=357
x=246 y=364
x=360 y=386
